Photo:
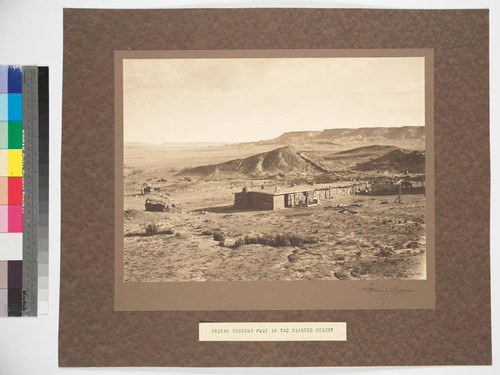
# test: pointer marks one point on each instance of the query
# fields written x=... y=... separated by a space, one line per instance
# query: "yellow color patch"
x=15 y=163
x=4 y=163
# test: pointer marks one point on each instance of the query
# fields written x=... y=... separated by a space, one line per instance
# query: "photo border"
x=276 y=295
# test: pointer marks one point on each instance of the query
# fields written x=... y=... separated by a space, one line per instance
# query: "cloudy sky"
x=240 y=100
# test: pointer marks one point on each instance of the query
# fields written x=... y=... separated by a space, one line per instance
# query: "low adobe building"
x=294 y=196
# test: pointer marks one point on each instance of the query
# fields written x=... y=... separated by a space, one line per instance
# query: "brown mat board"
x=457 y=331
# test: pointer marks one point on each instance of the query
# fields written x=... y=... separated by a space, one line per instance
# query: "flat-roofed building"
x=295 y=196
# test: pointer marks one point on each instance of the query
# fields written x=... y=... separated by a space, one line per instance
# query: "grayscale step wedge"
x=30 y=191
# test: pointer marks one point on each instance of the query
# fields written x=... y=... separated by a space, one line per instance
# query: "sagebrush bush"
x=274 y=240
x=385 y=252
x=151 y=229
x=239 y=241
x=251 y=239
x=219 y=236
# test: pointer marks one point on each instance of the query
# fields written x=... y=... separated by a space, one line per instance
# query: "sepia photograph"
x=275 y=169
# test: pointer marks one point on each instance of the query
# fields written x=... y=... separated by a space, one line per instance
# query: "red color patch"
x=15 y=190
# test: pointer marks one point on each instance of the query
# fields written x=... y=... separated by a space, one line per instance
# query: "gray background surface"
x=31 y=33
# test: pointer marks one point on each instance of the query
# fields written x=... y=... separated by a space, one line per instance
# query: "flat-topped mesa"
x=403 y=132
x=340 y=135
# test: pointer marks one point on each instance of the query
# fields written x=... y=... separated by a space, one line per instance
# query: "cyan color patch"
x=15 y=80
x=4 y=107
x=15 y=107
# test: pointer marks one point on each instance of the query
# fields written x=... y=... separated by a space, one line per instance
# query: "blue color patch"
x=15 y=80
x=4 y=79
x=15 y=104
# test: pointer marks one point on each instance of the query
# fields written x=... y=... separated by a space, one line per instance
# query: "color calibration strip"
x=11 y=193
x=20 y=186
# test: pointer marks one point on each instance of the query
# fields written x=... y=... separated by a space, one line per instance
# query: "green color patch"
x=4 y=134
x=15 y=135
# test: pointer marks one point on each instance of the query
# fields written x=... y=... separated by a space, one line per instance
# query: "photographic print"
x=274 y=169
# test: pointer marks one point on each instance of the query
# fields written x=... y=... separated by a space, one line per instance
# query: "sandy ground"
x=382 y=240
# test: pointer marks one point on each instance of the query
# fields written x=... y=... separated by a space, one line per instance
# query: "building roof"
x=303 y=188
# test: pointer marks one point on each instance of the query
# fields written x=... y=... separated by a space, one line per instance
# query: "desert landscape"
x=362 y=216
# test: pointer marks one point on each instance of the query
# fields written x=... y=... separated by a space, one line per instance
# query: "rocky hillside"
x=396 y=161
x=284 y=159
x=349 y=158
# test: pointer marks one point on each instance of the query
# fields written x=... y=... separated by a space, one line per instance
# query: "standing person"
x=400 y=190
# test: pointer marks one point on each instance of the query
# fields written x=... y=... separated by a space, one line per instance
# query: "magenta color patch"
x=15 y=218
x=4 y=218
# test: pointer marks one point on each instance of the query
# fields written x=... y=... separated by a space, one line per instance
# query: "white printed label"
x=273 y=331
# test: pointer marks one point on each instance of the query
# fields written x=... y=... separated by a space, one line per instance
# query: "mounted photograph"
x=274 y=169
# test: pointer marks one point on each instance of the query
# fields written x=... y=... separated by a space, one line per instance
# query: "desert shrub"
x=222 y=243
x=239 y=242
x=265 y=239
x=297 y=239
x=151 y=229
x=250 y=239
x=412 y=245
x=386 y=252
x=178 y=234
x=219 y=236
x=278 y=240
x=207 y=233
x=168 y=231
x=130 y=213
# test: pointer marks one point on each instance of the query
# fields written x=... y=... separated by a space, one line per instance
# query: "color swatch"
x=24 y=190
x=11 y=191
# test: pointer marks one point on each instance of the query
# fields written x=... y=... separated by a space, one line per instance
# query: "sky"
x=251 y=99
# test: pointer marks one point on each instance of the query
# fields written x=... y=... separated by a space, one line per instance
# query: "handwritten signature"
x=382 y=291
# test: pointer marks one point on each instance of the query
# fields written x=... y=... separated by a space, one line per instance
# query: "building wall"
x=279 y=201
x=295 y=199
x=241 y=200
x=260 y=201
x=340 y=191
x=266 y=201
